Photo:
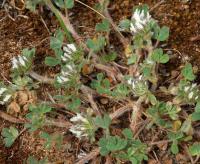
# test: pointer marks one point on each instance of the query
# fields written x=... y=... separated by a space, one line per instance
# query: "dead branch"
x=52 y=122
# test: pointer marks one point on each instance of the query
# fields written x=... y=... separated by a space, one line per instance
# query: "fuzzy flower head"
x=187 y=93
x=82 y=128
x=69 y=49
x=191 y=91
x=138 y=85
x=140 y=20
x=66 y=73
x=4 y=95
x=19 y=61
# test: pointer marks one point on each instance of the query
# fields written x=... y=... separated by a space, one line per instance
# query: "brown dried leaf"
x=152 y=161
x=87 y=69
x=22 y=98
x=13 y=108
x=162 y=146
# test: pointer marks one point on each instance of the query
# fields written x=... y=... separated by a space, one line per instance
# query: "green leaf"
x=175 y=135
x=32 y=160
x=48 y=139
x=109 y=57
x=127 y=133
x=197 y=107
x=69 y=4
x=187 y=72
x=96 y=44
x=186 y=126
x=159 y=57
x=163 y=33
x=31 y=5
x=103 y=122
x=125 y=24
x=174 y=147
x=115 y=143
x=74 y=104
x=194 y=149
x=196 y=116
x=10 y=135
x=51 y=61
x=132 y=59
x=29 y=53
x=152 y=99
x=59 y=3
x=103 y=27
x=37 y=116
x=57 y=41
x=102 y=144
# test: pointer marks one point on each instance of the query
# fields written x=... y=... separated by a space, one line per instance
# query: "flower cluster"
x=66 y=72
x=19 y=61
x=82 y=126
x=140 y=19
x=5 y=96
x=68 y=50
x=138 y=85
x=186 y=93
x=191 y=92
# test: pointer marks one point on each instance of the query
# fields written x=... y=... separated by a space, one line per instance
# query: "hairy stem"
x=106 y=13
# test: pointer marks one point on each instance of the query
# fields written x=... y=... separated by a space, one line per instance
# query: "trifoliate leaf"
x=103 y=122
x=69 y=4
x=31 y=5
x=163 y=33
x=96 y=44
x=159 y=57
x=9 y=134
x=197 y=107
x=102 y=144
x=152 y=99
x=57 y=41
x=109 y=57
x=51 y=61
x=104 y=26
x=124 y=24
x=127 y=133
x=187 y=72
x=194 y=149
x=174 y=147
x=115 y=143
x=132 y=59
x=196 y=116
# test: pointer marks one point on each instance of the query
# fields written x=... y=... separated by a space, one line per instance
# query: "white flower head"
x=14 y=63
x=186 y=88
x=19 y=61
x=7 y=98
x=80 y=127
x=79 y=118
x=2 y=90
x=140 y=19
x=61 y=79
x=193 y=86
x=190 y=95
x=66 y=73
x=68 y=50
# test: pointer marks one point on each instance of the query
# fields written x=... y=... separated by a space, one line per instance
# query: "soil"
x=21 y=29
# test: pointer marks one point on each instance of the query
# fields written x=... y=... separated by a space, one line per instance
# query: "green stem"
x=60 y=18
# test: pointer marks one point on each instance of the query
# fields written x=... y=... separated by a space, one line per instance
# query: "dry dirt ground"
x=21 y=29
